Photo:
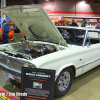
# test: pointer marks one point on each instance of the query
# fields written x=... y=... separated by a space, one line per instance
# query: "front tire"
x=64 y=82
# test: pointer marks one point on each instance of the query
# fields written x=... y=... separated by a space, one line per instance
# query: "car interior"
x=73 y=36
x=93 y=37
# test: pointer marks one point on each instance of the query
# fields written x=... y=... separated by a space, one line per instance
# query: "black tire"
x=62 y=89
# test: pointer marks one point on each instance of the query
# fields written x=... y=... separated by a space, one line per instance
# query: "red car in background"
x=11 y=34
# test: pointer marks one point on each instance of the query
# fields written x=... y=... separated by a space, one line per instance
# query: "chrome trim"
x=56 y=76
x=88 y=63
x=15 y=75
x=64 y=81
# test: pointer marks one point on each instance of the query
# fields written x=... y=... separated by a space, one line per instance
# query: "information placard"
x=37 y=83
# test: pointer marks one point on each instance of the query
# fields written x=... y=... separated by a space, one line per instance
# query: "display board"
x=38 y=84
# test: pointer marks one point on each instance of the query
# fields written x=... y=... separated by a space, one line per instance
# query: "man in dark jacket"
x=5 y=29
x=74 y=23
x=16 y=30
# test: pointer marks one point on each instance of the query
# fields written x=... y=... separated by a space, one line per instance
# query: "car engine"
x=29 y=50
x=37 y=50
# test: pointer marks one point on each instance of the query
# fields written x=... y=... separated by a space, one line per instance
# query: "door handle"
x=80 y=60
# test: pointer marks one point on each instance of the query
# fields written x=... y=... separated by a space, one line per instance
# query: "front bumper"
x=11 y=74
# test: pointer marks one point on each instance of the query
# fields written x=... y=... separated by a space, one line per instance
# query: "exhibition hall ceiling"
x=37 y=1
x=53 y=0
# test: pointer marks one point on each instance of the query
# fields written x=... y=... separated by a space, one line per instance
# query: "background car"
x=11 y=34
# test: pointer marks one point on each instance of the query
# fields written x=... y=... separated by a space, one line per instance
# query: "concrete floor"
x=85 y=87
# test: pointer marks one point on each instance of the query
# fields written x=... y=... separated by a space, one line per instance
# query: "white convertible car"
x=71 y=51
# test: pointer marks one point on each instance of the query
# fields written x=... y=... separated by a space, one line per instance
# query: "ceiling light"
x=82 y=3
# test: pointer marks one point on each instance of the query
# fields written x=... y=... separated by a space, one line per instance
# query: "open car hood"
x=35 y=23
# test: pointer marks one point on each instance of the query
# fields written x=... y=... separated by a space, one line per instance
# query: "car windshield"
x=73 y=36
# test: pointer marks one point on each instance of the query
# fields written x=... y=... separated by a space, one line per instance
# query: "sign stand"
x=37 y=83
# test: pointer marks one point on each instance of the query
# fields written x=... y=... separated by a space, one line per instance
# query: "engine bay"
x=28 y=49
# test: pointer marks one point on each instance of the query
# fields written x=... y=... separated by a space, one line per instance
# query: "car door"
x=92 y=50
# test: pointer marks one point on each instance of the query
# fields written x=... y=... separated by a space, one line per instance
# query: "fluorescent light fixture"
x=47 y=0
x=82 y=2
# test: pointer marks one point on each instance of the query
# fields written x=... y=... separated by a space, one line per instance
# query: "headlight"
x=26 y=64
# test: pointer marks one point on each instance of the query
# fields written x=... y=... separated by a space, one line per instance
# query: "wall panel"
x=75 y=8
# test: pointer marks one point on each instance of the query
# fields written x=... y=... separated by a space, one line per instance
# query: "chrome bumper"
x=11 y=74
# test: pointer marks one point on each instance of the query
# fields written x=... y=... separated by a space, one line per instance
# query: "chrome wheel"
x=64 y=81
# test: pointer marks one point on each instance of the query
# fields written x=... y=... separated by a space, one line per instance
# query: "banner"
x=91 y=20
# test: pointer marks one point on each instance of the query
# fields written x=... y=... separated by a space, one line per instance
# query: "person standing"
x=74 y=23
x=62 y=21
x=5 y=31
x=4 y=21
x=16 y=30
x=97 y=26
x=84 y=24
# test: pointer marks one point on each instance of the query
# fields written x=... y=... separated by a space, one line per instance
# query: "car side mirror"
x=88 y=44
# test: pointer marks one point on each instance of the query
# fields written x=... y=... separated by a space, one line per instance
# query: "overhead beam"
x=36 y=1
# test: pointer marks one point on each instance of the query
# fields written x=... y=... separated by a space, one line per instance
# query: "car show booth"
x=52 y=62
